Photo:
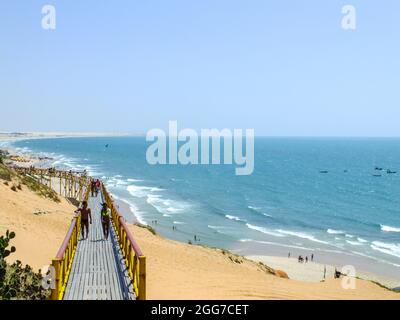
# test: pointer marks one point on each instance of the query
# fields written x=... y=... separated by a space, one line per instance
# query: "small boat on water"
x=377 y=175
x=323 y=171
x=378 y=168
x=388 y=171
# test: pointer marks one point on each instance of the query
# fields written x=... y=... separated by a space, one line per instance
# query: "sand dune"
x=181 y=271
x=40 y=224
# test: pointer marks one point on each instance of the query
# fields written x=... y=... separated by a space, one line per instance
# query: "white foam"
x=333 y=231
x=301 y=235
x=264 y=230
x=354 y=243
x=179 y=222
x=137 y=213
x=362 y=240
x=275 y=244
x=120 y=182
x=258 y=210
x=389 y=228
x=133 y=180
x=134 y=209
x=253 y=208
x=138 y=191
x=166 y=206
x=392 y=249
x=374 y=258
x=218 y=229
x=234 y=218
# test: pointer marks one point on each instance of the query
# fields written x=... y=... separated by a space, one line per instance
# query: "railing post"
x=77 y=231
x=142 y=278
x=55 y=293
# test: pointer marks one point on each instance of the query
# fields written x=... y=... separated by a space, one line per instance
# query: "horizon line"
x=111 y=134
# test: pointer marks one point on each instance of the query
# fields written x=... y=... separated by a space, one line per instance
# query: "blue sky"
x=283 y=68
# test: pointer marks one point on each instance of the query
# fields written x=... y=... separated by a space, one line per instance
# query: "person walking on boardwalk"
x=105 y=219
x=97 y=185
x=92 y=187
x=86 y=217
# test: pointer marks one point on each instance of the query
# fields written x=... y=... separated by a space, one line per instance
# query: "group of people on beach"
x=86 y=219
x=300 y=259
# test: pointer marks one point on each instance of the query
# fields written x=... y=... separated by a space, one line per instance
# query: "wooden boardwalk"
x=98 y=270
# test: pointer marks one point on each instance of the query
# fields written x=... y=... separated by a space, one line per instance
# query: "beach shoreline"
x=311 y=273
x=316 y=272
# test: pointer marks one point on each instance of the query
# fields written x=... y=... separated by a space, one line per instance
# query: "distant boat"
x=323 y=171
x=377 y=175
x=390 y=171
x=378 y=168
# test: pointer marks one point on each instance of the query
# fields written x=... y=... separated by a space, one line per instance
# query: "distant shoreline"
x=13 y=136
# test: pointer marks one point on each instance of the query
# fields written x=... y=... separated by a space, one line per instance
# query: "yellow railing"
x=70 y=183
x=62 y=264
x=134 y=258
x=63 y=261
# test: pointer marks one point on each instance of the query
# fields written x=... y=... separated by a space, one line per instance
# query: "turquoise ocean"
x=332 y=197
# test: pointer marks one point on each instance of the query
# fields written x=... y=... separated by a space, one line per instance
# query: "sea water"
x=320 y=195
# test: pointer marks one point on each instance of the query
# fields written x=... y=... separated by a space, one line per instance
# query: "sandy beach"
x=182 y=271
x=314 y=271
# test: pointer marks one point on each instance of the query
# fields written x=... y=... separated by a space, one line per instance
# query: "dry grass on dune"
x=40 y=223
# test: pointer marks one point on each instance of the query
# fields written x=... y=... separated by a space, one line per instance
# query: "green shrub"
x=152 y=230
x=18 y=281
x=3 y=155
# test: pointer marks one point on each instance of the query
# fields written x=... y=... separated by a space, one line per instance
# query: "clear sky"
x=280 y=67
